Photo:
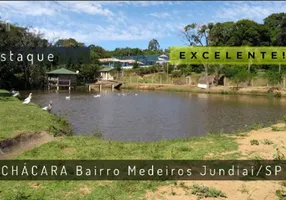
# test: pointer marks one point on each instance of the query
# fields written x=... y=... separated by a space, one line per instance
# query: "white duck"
x=16 y=94
x=96 y=96
x=49 y=107
x=28 y=99
x=12 y=91
x=68 y=97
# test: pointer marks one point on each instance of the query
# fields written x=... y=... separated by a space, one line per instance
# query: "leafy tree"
x=153 y=45
x=221 y=33
x=135 y=65
x=194 y=35
x=99 y=52
x=274 y=23
x=118 y=68
x=70 y=42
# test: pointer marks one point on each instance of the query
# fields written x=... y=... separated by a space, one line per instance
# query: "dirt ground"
x=25 y=141
x=238 y=190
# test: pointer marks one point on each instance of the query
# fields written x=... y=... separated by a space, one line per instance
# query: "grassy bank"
x=17 y=118
x=89 y=147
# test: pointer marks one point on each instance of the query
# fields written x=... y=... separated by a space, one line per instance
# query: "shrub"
x=176 y=74
x=254 y=142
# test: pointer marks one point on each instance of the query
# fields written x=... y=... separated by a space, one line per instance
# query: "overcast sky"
x=128 y=23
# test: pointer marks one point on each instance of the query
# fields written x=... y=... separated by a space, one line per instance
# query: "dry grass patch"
x=233 y=190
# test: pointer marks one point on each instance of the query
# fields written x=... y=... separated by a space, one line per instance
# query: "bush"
x=176 y=74
x=273 y=77
x=241 y=77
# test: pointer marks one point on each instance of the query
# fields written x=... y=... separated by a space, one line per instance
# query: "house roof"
x=62 y=71
x=109 y=60
x=107 y=69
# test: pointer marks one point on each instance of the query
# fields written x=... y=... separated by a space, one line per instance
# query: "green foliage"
x=135 y=65
x=273 y=77
x=267 y=142
x=277 y=94
x=153 y=45
x=187 y=69
x=203 y=191
x=254 y=142
x=97 y=133
x=70 y=42
x=281 y=194
x=278 y=154
x=275 y=128
x=241 y=77
x=176 y=74
x=118 y=66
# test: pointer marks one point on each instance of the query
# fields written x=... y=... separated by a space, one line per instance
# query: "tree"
x=221 y=33
x=118 y=68
x=276 y=23
x=135 y=65
x=153 y=45
x=194 y=35
x=99 y=51
x=70 y=42
x=22 y=75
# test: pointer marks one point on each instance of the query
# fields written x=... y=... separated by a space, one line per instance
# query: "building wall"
x=106 y=76
x=73 y=78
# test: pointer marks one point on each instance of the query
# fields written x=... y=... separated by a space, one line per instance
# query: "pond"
x=153 y=116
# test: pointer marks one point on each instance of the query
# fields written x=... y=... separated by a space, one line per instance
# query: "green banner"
x=227 y=55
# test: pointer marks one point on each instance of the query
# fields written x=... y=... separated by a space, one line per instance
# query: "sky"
x=113 y=24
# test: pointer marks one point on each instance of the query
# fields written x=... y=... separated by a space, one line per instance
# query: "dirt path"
x=10 y=148
x=269 y=139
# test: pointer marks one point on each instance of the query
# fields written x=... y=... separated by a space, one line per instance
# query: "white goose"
x=28 y=99
x=96 y=96
x=49 y=107
x=68 y=97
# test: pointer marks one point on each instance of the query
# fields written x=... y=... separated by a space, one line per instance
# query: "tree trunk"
x=206 y=75
x=279 y=68
x=249 y=82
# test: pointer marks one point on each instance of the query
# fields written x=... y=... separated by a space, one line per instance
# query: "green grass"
x=90 y=147
x=16 y=117
x=32 y=118
x=203 y=192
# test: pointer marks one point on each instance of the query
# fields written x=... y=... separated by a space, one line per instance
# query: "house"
x=106 y=73
x=126 y=64
x=108 y=62
x=62 y=78
x=162 y=59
